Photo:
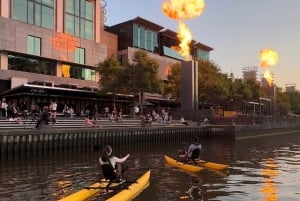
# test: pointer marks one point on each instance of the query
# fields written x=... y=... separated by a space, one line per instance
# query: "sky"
x=237 y=30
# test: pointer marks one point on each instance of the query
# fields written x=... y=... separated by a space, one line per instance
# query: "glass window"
x=200 y=54
x=144 y=38
x=34 y=45
x=49 y=3
x=31 y=64
x=82 y=14
x=30 y=18
x=37 y=12
x=79 y=55
x=69 y=28
x=135 y=35
x=78 y=72
x=149 y=44
x=47 y=17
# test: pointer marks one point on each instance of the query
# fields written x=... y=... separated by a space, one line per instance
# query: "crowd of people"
x=48 y=113
x=149 y=117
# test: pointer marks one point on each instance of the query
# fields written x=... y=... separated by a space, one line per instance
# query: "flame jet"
x=268 y=58
x=183 y=10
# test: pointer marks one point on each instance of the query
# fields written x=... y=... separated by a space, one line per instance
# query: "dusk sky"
x=236 y=29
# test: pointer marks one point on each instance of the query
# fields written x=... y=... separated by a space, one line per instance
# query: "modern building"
x=49 y=49
x=50 y=45
x=160 y=43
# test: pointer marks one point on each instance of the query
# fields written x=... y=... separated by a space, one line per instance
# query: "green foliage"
x=212 y=84
x=110 y=70
x=294 y=101
x=174 y=79
x=283 y=103
x=142 y=74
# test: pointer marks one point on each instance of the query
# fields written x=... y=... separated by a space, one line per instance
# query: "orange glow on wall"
x=167 y=70
x=65 y=42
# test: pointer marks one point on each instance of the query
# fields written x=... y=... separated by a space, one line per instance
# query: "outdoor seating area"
x=78 y=122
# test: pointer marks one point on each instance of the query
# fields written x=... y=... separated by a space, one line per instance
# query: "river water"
x=260 y=169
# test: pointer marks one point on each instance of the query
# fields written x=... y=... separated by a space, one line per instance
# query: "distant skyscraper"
x=250 y=73
x=290 y=87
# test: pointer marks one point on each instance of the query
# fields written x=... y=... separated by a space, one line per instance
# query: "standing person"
x=136 y=111
x=106 y=111
x=119 y=116
x=14 y=110
x=96 y=113
x=193 y=151
x=9 y=110
x=24 y=110
x=53 y=110
x=4 y=106
x=44 y=118
x=112 y=166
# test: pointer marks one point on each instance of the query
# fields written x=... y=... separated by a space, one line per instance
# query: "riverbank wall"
x=32 y=142
x=58 y=140
x=261 y=127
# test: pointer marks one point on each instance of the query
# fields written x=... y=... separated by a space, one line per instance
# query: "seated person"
x=148 y=119
x=205 y=121
x=17 y=120
x=112 y=166
x=193 y=151
x=183 y=121
x=89 y=122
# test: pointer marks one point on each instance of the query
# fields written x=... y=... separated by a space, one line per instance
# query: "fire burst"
x=268 y=58
x=182 y=10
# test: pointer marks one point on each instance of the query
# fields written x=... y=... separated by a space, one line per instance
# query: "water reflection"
x=270 y=189
x=259 y=169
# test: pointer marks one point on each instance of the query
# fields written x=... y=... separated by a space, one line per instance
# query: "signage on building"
x=38 y=91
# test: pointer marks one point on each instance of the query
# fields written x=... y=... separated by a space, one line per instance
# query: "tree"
x=294 y=101
x=110 y=72
x=174 y=80
x=142 y=74
x=212 y=84
x=283 y=103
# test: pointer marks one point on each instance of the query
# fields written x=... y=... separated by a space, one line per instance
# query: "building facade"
x=52 y=43
x=49 y=49
x=160 y=43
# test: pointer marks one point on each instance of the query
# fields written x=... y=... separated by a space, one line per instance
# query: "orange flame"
x=268 y=57
x=183 y=9
x=185 y=37
x=268 y=76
